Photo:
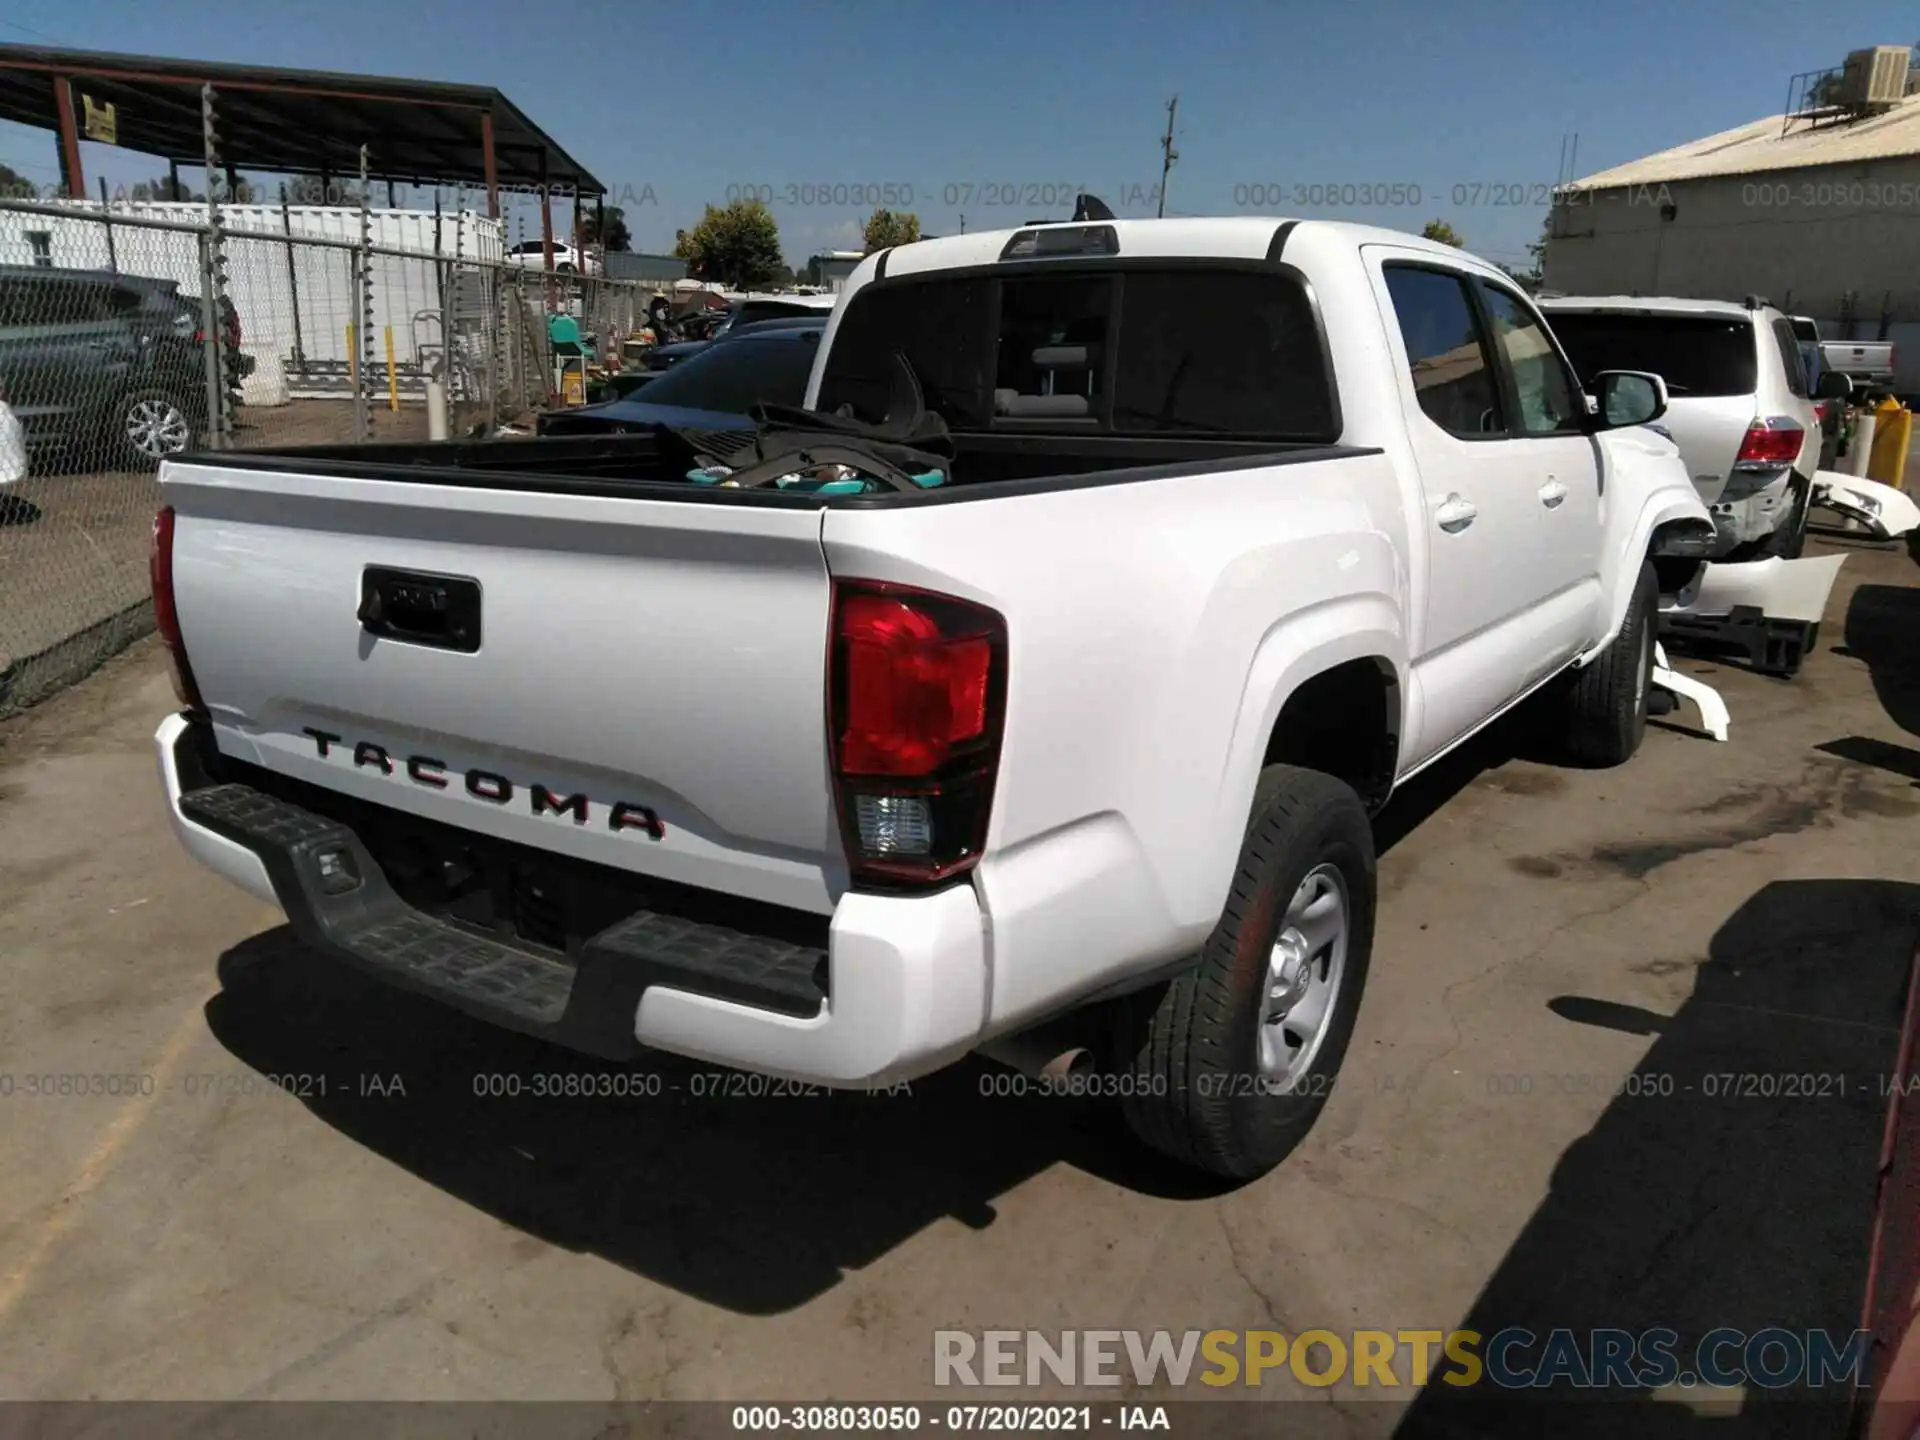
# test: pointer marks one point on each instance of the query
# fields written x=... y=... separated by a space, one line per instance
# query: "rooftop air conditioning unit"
x=1875 y=77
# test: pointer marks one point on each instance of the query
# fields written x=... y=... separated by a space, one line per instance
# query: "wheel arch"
x=1358 y=640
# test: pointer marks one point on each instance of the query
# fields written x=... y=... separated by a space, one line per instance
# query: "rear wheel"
x=1605 y=705
x=1230 y=1064
x=151 y=425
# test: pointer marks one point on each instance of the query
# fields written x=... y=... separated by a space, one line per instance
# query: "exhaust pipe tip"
x=1077 y=1061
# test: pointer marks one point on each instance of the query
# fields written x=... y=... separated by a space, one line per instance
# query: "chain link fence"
x=128 y=334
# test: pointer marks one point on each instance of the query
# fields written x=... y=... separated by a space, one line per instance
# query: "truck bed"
x=643 y=465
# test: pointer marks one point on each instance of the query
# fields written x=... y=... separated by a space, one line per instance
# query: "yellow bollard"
x=1892 y=434
x=393 y=381
x=353 y=359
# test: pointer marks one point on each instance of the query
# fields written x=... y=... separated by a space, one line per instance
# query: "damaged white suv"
x=1739 y=405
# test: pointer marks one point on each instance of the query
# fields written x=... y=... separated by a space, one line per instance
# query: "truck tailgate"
x=646 y=688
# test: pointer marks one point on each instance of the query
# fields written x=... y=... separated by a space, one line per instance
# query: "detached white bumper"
x=907 y=978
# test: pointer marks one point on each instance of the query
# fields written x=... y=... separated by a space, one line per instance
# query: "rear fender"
x=1365 y=626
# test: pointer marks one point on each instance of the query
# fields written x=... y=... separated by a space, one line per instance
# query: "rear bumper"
x=1753 y=506
x=905 y=987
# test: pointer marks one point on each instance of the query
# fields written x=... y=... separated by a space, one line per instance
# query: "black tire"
x=1605 y=706
x=1190 y=1050
x=162 y=416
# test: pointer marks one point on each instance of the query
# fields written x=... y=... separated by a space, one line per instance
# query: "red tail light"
x=916 y=700
x=166 y=618
x=1771 y=443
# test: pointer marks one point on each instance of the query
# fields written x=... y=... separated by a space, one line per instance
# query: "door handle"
x=1552 y=493
x=1455 y=514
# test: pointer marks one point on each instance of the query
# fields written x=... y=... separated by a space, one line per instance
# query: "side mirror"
x=1832 y=385
x=1628 y=397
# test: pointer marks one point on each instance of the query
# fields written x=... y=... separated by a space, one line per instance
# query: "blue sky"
x=675 y=104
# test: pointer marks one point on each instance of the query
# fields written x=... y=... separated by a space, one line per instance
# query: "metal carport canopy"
x=297 y=122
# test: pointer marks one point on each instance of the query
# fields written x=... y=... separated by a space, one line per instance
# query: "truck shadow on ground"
x=1883 y=633
x=690 y=1175
x=1727 y=1184
x=754 y=1201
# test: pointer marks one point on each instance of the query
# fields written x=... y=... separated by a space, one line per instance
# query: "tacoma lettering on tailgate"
x=490 y=786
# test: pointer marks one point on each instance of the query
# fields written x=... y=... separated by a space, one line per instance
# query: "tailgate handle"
x=442 y=611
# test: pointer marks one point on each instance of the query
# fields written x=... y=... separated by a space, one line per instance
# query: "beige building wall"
x=1840 y=243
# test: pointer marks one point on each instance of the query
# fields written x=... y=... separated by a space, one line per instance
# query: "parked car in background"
x=752 y=310
x=1739 y=405
x=1829 y=411
x=1868 y=363
x=102 y=368
x=567 y=259
x=763 y=363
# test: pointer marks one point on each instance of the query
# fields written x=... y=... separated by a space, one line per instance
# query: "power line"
x=29 y=30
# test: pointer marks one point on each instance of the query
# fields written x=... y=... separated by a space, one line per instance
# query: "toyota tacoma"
x=1039 y=678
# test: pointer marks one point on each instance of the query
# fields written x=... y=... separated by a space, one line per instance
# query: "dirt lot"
x=1709 y=910
x=73 y=542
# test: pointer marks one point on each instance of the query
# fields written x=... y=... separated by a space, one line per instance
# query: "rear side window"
x=1221 y=352
x=1697 y=355
x=34 y=301
x=1452 y=373
x=1796 y=367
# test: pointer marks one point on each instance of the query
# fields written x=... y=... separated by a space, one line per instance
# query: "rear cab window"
x=1699 y=356
x=1139 y=349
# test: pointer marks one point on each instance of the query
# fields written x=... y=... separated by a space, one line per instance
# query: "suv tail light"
x=1770 y=444
x=166 y=618
x=916 y=699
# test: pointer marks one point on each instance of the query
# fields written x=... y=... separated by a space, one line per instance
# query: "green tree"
x=618 y=236
x=162 y=189
x=1443 y=232
x=887 y=228
x=15 y=186
x=737 y=245
x=1533 y=275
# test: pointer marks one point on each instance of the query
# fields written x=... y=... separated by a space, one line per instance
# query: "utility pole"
x=1167 y=156
x=963 y=222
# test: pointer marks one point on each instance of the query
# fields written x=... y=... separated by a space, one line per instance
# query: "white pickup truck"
x=1170 y=549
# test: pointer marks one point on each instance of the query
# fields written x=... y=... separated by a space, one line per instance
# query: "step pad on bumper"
x=754 y=969
x=339 y=901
